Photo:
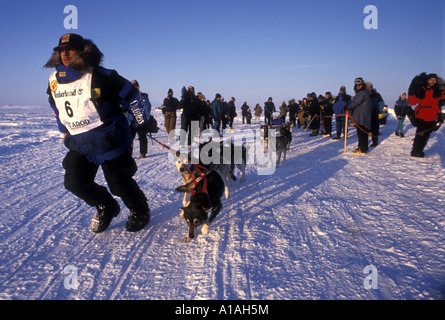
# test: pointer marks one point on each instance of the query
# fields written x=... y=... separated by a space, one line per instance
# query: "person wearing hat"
x=204 y=112
x=231 y=112
x=257 y=111
x=87 y=99
x=400 y=110
x=428 y=97
x=360 y=110
x=244 y=111
x=339 y=105
x=217 y=112
x=190 y=105
x=314 y=111
x=170 y=106
x=269 y=109
x=377 y=105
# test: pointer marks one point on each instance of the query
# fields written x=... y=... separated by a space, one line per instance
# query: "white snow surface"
x=306 y=232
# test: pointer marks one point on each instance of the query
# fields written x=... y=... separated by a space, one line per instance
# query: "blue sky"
x=251 y=50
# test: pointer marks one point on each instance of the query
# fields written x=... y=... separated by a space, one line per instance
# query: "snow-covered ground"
x=308 y=231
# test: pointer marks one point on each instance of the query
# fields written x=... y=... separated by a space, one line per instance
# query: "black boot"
x=417 y=154
x=137 y=220
x=105 y=213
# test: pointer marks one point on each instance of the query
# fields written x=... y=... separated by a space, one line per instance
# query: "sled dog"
x=230 y=156
x=206 y=188
x=284 y=140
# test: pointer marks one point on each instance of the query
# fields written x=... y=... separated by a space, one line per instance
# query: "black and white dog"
x=204 y=183
x=284 y=139
x=206 y=188
x=228 y=157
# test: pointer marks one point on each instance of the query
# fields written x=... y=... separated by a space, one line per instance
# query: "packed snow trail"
x=306 y=232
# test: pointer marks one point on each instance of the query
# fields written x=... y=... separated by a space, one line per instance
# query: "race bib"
x=76 y=110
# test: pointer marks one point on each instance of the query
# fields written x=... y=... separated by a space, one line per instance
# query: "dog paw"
x=185 y=239
x=205 y=229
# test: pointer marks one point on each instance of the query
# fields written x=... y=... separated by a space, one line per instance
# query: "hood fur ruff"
x=86 y=60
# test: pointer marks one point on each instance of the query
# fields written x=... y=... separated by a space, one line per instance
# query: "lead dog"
x=206 y=188
x=227 y=158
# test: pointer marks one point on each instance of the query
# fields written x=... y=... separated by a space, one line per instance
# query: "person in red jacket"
x=427 y=97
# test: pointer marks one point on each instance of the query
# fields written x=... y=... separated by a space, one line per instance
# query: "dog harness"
x=202 y=175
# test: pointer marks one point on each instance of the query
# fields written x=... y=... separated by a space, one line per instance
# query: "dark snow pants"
x=423 y=133
x=375 y=128
x=80 y=175
x=362 y=139
x=340 y=122
x=143 y=142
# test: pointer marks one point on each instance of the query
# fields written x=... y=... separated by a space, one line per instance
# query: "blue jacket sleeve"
x=130 y=97
x=133 y=102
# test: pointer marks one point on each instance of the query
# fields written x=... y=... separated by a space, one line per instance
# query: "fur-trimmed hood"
x=86 y=60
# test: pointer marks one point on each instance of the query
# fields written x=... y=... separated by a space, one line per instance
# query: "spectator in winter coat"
x=400 y=109
x=249 y=116
x=269 y=109
x=142 y=134
x=327 y=113
x=428 y=98
x=377 y=105
x=244 y=111
x=87 y=99
x=257 y=111
x=293 y=110
x=170 y=106
x=190 y=105
x=339 y=105
x=283 y=111
x=225 y=115
x=209 y=120
x=303 y=116
x=231 y=112
x=204 y=112
x=360 y=110
x=217 y=112
x=314 y=112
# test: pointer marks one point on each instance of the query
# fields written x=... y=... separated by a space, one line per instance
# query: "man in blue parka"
x=339 y=105
x=89 y=103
